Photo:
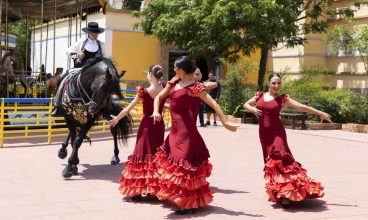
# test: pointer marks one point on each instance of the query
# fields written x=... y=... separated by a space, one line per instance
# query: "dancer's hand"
x=113 y=121
x=257 y=112
x=230 y=127
x=116 y=119
x=156 y=117
x=325 y=116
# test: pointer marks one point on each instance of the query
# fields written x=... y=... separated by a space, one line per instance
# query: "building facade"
x=346 y=69
x=128 y=47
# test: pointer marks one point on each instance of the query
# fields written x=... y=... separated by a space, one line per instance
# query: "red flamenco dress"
x=285 y=177
x=183 y=158
x=140 y=173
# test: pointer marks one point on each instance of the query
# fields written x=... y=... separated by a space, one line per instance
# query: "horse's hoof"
x=62 y=154
x=75 y=170
x=69 y=171
x=115 y=160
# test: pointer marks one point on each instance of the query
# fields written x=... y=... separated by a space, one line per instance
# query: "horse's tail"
x=124 y=127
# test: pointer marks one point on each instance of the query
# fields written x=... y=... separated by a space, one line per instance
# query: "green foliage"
x=235 y=91
x=20 y=30
x=312 y=80
x=344 y=106
x=204 y=28
x=133 y=5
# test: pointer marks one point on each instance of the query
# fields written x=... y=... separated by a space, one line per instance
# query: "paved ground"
x=31 y=186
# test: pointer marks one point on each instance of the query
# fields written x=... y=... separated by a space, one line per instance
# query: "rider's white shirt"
x=91 y=46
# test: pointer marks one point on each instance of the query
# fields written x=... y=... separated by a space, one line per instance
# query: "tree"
x=221 y=29
x=349 y=37
x=204 y=28
x=280 y=23
x=19 y=28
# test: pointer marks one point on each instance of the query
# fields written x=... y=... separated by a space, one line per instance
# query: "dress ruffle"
x=196 y=88
x=139 y=176
x=186 y=187
x=140 y=91
x=285 y=99
x=258 y=95
x=285 y=178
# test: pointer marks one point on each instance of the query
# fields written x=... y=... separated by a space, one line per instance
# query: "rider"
x=85 y=49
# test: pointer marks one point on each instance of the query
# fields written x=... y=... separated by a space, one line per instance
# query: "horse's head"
x=7 y=60
x=105 y=84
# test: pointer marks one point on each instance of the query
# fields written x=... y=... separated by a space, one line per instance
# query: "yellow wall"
x=134 y=52
x=255 y=58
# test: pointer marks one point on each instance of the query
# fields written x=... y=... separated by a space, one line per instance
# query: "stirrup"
x=55 y=112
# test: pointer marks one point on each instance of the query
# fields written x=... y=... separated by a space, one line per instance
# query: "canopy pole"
x=1 y=29
x=76 y=21
x=27 y=36
x=53 y=61
x=40 y=71
x=6 y=27
x=6 y=45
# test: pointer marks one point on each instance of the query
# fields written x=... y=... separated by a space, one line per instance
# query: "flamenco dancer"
x=286 y=180
x=140 y=173
x=182 y=160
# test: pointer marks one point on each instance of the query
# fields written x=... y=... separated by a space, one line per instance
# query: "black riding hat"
x=93 y=28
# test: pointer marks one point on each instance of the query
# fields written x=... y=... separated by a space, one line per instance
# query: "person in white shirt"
x=88 y=48
x=83 y=51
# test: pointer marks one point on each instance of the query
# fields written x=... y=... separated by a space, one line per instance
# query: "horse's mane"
x=110 y=63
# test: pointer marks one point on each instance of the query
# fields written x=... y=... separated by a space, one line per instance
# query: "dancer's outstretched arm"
x=210 y=85
x=124 y=112
x=304 y=108
x=213 y=104
x=156 y=103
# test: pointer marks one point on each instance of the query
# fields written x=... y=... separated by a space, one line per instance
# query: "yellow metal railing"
x=43 y=125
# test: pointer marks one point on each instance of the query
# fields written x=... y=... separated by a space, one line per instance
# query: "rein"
x=80 y=86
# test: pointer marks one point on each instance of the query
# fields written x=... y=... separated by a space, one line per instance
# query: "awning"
x=21 y=9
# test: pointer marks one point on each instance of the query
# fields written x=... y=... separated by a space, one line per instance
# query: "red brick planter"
x=323 y=126
x=233 y=119
x=355 y=128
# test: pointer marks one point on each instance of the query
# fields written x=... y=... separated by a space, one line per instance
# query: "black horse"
x=115 y=110
x=86 y=95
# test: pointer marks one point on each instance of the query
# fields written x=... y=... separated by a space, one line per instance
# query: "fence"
x=23 y=118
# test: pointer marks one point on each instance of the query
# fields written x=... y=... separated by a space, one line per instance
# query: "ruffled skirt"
x=285 y=178
x=139 y=176
x=185 y=186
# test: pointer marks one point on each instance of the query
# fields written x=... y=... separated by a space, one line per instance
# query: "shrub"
x=307 y=85
x=134 y=5
x=235 y=90
x=344 y=106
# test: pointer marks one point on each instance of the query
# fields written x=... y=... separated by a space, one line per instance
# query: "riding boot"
x=55 y=111
x=57 y=99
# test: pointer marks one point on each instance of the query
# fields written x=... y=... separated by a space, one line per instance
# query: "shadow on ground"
x=101 y=172
x=308 y=205
x=210 y=210
x=226 y=191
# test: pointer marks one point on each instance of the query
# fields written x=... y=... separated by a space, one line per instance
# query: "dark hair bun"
x=157 y=71
x=186 y=63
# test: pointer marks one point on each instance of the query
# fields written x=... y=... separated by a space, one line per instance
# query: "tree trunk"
x=211 y=63
x=262 y=67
